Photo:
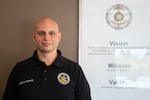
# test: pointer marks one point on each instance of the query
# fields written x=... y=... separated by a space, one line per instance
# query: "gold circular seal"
x=118 y=16
x=63 y=78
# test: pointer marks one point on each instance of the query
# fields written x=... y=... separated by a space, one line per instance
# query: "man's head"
x=46 y=35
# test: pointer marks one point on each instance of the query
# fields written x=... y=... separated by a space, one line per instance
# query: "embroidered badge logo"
x=63 y=78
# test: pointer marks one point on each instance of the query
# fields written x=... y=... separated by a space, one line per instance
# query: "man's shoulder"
x=28 y=60
x=69 y=61
x=22 y=64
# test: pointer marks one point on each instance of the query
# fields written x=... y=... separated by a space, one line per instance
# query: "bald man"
x=47 y=75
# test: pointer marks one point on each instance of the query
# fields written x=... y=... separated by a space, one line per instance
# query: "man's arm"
x=82 y=86
x=11 y=87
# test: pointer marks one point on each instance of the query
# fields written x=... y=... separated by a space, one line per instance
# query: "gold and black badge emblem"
x=63 y=78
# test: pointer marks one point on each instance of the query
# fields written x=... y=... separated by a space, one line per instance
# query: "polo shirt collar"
x=58 y=61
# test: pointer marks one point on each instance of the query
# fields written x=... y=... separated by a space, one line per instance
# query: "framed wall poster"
x=114 y=48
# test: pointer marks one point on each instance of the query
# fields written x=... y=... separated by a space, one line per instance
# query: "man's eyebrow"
x=40 y=31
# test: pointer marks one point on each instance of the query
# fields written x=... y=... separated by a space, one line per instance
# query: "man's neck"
x=48 y=58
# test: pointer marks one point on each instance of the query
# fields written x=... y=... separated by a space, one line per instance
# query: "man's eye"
x=41 y=33
x=52 y=33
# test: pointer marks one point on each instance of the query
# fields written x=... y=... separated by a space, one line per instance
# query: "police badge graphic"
x=118 y=16
x=63 y=78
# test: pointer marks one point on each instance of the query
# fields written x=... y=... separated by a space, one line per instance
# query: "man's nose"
x=47 y=36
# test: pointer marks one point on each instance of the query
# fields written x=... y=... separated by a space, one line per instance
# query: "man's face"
x=46 y=36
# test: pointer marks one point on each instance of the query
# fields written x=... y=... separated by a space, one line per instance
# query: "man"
x=47 y=75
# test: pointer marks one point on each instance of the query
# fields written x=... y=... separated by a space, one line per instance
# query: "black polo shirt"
x=31 y=79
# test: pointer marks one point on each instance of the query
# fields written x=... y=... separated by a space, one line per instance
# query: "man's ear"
x=33 y=36
x=60 y=36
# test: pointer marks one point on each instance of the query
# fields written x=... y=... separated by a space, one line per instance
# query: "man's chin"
x=47 y=50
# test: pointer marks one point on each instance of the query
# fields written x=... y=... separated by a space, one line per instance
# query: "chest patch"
x=63 y=78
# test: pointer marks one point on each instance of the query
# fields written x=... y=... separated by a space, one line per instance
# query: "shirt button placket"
x=43 y=85
x=45 y=71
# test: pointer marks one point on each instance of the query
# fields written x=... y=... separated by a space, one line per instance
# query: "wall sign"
x=114 y=48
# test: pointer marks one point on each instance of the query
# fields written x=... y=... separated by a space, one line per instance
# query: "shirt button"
x=45 y=70
x=45 y=79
